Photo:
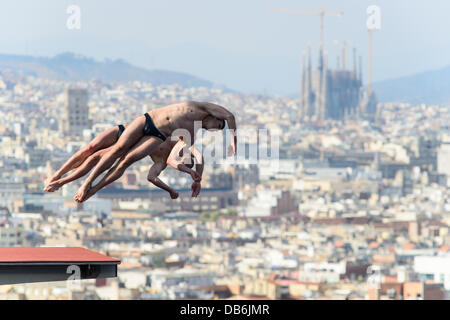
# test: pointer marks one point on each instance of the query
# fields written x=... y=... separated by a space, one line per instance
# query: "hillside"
x=69 y=66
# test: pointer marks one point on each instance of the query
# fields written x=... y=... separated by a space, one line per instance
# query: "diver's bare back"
x=178 y=116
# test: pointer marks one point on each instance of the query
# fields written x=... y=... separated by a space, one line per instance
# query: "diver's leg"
x=130 y=136
x=103 y=140
x=143 y=148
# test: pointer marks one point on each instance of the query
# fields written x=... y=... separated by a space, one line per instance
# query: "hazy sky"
x=239 y=43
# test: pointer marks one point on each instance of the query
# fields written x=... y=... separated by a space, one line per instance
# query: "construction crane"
x=321 y=13
x=369 y=72
x=373 y=24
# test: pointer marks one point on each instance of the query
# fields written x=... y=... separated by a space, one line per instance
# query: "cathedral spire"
x=320 y=56
x=360 y=69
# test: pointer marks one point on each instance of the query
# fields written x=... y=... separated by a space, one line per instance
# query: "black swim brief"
x=151 y=130
x=121 y=129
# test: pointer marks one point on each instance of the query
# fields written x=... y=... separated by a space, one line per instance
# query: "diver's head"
x=212 y=123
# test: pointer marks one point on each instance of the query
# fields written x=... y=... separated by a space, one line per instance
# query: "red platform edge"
x=52 y=254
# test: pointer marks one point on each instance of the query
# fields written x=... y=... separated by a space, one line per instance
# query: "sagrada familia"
x=334 y=94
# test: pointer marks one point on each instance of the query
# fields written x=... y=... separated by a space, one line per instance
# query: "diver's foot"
x=81 y=194
x=50 y=180
x=53 y=186
x=90 y=193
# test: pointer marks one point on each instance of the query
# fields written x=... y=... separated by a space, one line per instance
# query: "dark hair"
x=222 y=120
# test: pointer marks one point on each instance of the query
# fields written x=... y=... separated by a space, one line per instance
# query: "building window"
x=426 y=277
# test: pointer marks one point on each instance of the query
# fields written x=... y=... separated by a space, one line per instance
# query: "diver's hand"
x=232 y=150
x=196 y=187
x=195 y=176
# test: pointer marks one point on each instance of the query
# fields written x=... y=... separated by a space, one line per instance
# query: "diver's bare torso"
x=178 y=116
x=162 y=152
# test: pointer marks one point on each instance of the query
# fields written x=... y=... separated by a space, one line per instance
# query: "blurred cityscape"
x=357 y=208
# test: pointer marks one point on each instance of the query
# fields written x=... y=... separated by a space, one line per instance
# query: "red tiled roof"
x=51 y=254
x=390 y=279
x=374 y=245
x=130 y=265
x=339 y=244
x=286 y=282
